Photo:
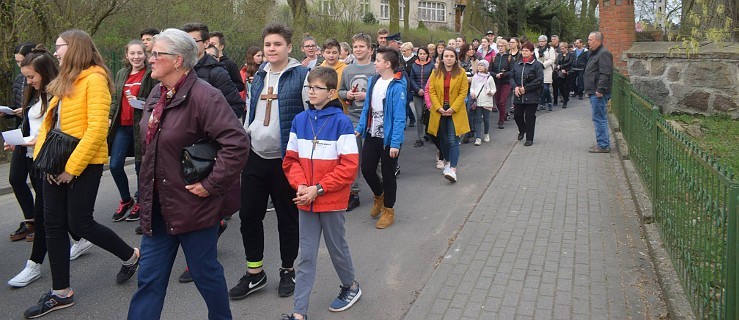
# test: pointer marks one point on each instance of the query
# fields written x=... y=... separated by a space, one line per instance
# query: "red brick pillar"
x=617 y=25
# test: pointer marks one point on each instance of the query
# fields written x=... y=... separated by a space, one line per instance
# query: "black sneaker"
x=127 y=272
x=287 y=282
x=48 y=303
x=185 y=277
x=139 y=231
x=122 y=209
x=134 y=215
x=353 y=202
x=247 y=285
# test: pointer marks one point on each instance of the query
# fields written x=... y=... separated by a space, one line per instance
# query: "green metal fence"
x=695 y=201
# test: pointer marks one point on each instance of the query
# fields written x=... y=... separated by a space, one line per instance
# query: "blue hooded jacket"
x=393 y=109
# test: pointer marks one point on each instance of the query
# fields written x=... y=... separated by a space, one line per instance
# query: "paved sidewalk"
x=555 y=236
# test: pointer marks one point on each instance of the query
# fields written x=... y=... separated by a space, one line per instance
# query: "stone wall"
x=705 y=83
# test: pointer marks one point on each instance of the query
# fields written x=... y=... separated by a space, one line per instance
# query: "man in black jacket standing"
x=211 y=70
x=219 y=41
x=578 y=66
x=598 y=77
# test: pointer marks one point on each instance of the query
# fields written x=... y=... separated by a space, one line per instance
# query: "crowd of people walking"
x=297 y=135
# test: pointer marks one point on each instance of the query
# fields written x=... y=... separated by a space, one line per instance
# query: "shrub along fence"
x=695 y=201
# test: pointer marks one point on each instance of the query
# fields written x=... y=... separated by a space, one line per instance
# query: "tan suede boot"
x=377 y=206
x=386 y=219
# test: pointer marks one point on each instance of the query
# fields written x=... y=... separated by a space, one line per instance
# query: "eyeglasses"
x=156 y=54
x=310 y=46
x=57 y=46
x=196 y=40
x=314 y=88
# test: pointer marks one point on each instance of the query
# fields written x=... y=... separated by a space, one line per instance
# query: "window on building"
x=328 y=7
x=431 y=11
x=364 y=7
x=385 y=9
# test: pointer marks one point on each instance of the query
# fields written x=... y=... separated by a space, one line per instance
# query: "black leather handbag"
x=198 y=160
x=55 y=152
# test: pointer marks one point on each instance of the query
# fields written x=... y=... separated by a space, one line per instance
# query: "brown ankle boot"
x=377 y=206
x=386 y=219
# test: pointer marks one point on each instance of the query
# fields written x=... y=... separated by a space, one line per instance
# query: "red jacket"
x=197 y=111
x=333 y=162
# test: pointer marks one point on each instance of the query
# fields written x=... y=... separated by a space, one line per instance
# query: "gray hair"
x=181 y=44
x=598 y=35
x=543 y=37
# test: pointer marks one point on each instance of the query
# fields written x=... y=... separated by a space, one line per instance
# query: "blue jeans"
x=598 y=106
x=449 y=141
x=122 y=141
x=482 y=120
x=158 y=253
x=546 y=96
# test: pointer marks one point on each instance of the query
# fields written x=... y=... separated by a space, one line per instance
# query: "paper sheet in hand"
x=6 y=110
x=136 y=104
x=14 y=137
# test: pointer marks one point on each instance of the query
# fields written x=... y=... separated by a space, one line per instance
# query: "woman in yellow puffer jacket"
x=80 y=108
x=447 y=89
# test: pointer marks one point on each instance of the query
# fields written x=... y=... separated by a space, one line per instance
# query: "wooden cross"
x=269 y=97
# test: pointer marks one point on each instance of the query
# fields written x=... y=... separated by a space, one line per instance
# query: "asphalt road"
x=392 y=265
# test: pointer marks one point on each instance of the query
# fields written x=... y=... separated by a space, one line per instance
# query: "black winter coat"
x=599 y=71
x=19 y=84
x=579 y=62
x=233 y=72
x=530 y=75
x=213 y=72
x=502 y=63
x=419 y=75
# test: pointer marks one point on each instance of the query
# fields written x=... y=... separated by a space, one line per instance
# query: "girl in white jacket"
x=482 y=90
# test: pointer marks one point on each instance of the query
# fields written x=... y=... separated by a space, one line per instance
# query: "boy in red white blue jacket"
x=321 y=163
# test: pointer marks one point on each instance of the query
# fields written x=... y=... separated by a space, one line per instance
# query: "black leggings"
x=373 y=152
x=20 y=166
x=69 y=207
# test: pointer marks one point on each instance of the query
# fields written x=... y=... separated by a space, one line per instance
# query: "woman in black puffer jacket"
x=420 y=72
x=527 y=78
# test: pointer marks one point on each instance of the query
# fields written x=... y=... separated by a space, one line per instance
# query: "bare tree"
x=394 y=16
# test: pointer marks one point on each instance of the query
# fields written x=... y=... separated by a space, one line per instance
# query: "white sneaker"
x=79 y=248
x=478 y=141
x=446 y=170
x=451 y=175
x=28 y=275
x=486 y=138
x=439 y=164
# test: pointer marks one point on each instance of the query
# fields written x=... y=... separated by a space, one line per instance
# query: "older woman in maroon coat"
x=180 y=111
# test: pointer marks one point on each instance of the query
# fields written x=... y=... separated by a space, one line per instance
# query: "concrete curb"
x=5 y=189
x=678 y=305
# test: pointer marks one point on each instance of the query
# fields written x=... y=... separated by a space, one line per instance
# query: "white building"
x=433 y=13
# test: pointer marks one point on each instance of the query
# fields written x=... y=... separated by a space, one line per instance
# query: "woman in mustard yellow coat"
x=79 y=108
x=448 y=88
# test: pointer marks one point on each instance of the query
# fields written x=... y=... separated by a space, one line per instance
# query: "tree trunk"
x=521 y=18
x=583 y=9
x=299 y=9
x=502 y=17
x=406 y=16
x=591 y=9
x=394 y=16
x=467 y=17
x=9 y=33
